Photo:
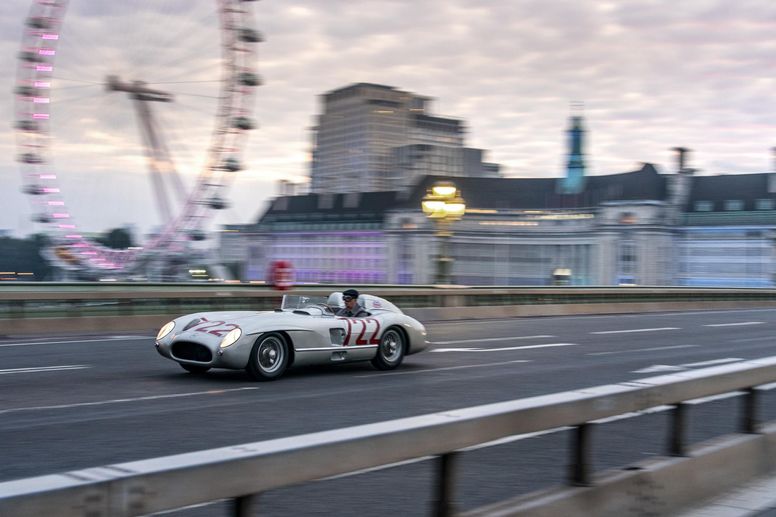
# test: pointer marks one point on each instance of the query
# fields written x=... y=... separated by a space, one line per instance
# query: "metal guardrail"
x=242 y=471
x=72 y=300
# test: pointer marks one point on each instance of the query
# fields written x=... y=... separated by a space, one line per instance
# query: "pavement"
x=755 y=499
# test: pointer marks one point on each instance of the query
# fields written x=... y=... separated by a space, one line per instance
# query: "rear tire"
x=194 y=368
x=269 y=358
x=390 y=351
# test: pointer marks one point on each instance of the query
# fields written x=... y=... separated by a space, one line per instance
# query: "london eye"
x=187 y=83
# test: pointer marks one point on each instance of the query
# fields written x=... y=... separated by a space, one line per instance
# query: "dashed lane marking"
x=483 y=340
x=104 y=340
x=502 y=349
x=635 y=330
x=686 y=366
x=38 y=369
x=372 y=376
x=120 y=401
x=651 y=349
x=739 y=324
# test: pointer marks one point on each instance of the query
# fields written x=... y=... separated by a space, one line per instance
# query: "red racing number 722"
x=365 y=330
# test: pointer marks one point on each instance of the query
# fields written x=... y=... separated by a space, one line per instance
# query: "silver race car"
x=304 y=330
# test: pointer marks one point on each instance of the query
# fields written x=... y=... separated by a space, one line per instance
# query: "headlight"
x=231 y=338
x=165 y=330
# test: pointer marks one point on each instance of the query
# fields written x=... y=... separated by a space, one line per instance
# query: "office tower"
x=366 y=130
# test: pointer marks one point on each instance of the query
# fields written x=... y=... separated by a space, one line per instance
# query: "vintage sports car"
x=303 y=331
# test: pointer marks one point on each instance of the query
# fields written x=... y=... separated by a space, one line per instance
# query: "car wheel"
x=390 y=351
x=194 y=368
x=269 y=358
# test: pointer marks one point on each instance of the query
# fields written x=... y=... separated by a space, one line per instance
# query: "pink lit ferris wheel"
x=187 y=81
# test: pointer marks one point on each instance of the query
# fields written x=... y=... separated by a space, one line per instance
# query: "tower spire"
x=574 y=181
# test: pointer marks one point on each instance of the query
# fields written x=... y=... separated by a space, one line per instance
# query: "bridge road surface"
x=76 y=402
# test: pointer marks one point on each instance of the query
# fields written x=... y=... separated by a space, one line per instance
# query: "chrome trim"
x=336 y=348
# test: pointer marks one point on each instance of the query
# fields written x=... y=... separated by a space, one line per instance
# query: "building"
x=728 y=232
x=372 y=137
x=638 y=227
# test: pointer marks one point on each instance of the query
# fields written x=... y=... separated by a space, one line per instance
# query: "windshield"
x=295 y=301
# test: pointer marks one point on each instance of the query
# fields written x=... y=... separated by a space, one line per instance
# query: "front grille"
x=191 y=351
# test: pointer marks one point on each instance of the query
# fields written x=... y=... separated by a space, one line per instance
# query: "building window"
x=733 y=204
x=764 y=204
x=704 y=206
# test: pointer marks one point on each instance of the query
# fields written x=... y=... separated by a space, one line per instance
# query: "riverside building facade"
x=378 y=151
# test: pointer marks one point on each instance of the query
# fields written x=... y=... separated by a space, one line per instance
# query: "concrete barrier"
x=654 y=487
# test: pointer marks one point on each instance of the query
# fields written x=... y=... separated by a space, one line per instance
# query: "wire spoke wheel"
x=269 y=358
x=47 y=83
x=390 y=351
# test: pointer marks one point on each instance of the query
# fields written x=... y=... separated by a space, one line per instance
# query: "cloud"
x=653 y=74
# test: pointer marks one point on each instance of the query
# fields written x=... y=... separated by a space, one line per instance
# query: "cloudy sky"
x=652 y=74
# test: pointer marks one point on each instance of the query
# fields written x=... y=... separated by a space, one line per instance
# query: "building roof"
x=742 y=187
x=542 y=193
x=356 y=206
x=499 y=193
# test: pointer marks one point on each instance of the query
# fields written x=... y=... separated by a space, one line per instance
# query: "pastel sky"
x=652 y=74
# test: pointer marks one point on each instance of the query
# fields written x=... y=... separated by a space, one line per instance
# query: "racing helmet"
x=335 y=300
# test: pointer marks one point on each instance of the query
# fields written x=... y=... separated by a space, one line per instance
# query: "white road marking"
x=37 y=369
x=735 y=324
x=655 y=368
x=489 y=339
x=525 y=347
x=752 y=339
x=651 y=349
x=34 y=343
x=372 y=376
x=119 y=401
x=635 y=330
x=713 y=361
x=671 y=368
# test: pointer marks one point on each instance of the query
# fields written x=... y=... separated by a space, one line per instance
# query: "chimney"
x=772 y=175
x=774 y=158
x=681 y=158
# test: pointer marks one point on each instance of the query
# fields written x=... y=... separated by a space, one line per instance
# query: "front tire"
x=390 y=351
x=269 y=358
x=194 y=368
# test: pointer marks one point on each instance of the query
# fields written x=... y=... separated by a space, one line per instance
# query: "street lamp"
x=443 y=204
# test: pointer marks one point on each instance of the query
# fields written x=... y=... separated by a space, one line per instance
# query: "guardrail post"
x=246 y=506
x=749 y=412
x=445 y=487
x=580 y=456
x=676 y=434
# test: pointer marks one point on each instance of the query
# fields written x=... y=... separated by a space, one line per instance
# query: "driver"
x=352 y=309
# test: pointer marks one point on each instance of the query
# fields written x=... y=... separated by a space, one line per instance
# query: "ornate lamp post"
x=443 y=204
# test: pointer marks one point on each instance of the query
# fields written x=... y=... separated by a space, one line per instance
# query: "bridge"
x=645 y=411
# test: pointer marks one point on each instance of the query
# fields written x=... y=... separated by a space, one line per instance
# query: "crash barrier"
x=241 y=472
x=37 y=307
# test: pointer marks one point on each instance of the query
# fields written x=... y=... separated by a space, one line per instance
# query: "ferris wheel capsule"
x=30 y=56
x=197 y=235
x=250 y=36
x=41 y=218
x=217 y=203
x=30 y=158
x=33 y=190
x=39 y=22
x=25 y=91
x=27 y=125
x=243 y=123
x=249 y=79
x=232 y=165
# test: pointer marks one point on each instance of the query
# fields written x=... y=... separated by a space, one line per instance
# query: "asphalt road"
x=75 y=402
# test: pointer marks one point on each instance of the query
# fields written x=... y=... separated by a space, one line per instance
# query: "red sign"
x=281 y=274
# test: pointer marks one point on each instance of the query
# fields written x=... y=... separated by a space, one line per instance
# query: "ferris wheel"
x=42 y=81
